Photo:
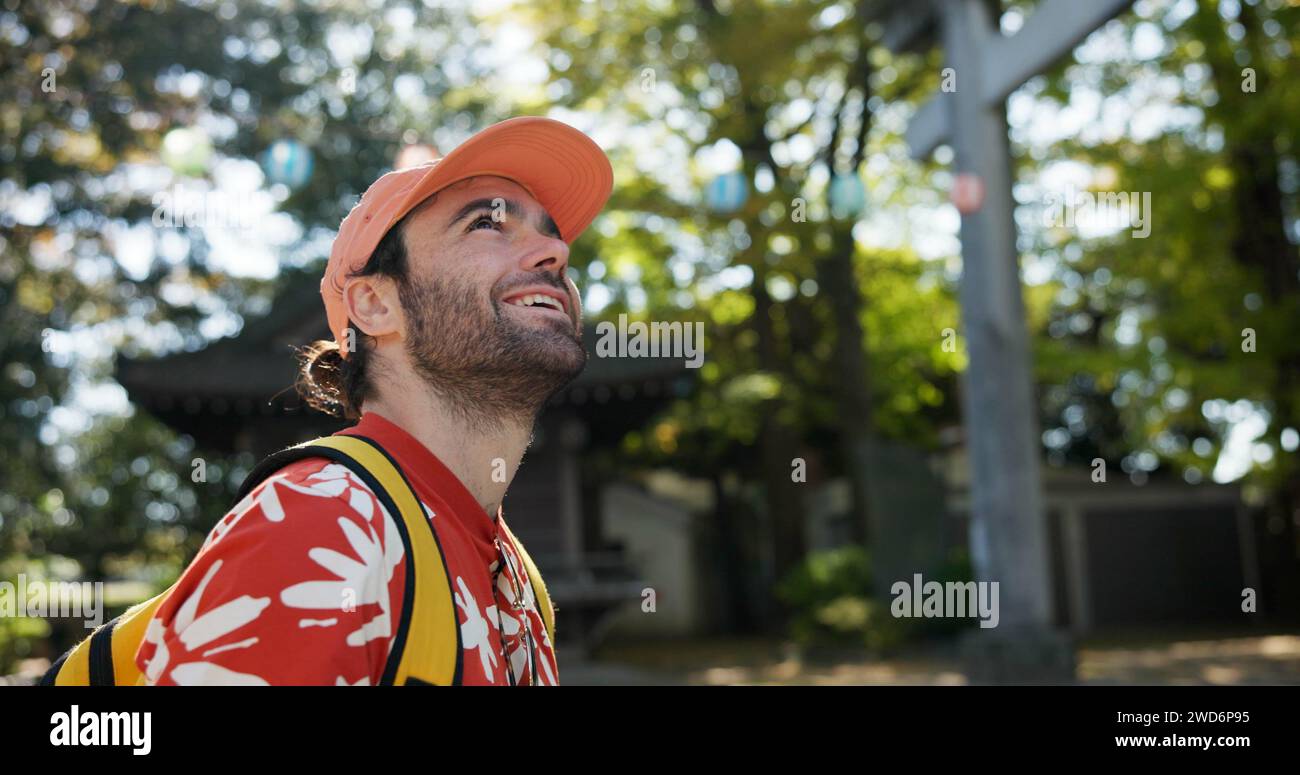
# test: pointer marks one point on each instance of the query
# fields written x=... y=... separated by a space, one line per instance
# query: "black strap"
x=101 y=655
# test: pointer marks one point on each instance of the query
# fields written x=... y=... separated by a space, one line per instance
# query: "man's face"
x=492 y=320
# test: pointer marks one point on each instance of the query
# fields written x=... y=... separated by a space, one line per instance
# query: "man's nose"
x=547 y=252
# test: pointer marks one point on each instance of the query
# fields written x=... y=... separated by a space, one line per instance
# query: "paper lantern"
x=288 y=162
x=728 y=192
x=967 y=193
x=848 y=196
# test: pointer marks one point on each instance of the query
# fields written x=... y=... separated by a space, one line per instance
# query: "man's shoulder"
x=293 y=585
x=322 y=476
x=291 y=496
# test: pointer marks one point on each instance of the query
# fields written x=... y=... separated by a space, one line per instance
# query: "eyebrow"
x=513 y=209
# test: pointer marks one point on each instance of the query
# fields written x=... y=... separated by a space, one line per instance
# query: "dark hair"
x=331 y=383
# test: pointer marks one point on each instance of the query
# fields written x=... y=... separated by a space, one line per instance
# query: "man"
x=454 y=320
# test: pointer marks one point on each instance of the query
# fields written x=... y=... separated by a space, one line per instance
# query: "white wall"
x=657 y=536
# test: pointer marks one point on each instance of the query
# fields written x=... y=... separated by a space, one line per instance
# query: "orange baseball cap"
x=560 y=166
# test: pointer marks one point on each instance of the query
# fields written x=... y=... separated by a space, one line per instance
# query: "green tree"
x=782 y=284
x=1142 y=338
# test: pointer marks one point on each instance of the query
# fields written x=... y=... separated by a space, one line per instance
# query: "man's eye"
x=484 y=219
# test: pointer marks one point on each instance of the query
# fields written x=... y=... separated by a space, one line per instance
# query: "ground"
x=1128 y=658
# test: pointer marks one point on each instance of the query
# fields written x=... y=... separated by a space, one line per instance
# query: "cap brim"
x=564 y=170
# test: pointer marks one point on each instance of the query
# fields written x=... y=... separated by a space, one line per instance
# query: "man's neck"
x=484 y=459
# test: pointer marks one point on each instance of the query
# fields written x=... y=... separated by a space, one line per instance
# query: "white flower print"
x=212 y=674
x=334 y=480
x=518 y=617
x=361 y=580
x=511 y=626
x=475 y=631
x=195 y=630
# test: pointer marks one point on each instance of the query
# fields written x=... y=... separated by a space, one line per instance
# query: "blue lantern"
x=728 y=192
x=288 y=162
x=848 y=196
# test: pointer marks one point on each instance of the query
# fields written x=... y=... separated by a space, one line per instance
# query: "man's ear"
x=373 y=305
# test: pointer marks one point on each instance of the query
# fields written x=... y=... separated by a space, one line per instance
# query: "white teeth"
x=537 y=298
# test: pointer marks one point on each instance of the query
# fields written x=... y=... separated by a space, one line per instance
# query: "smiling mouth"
x=538 y=300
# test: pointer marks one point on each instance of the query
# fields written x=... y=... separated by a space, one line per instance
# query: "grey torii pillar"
x=1008 y=532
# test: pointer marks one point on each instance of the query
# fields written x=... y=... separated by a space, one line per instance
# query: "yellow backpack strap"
x=427 y=646
x=74 y=668
x=534 y=578
x=127 y=637
x=107 y=657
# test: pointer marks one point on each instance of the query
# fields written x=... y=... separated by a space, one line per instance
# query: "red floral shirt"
x=302 y=583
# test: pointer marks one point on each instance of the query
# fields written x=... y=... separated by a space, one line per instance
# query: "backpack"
x=426 y=648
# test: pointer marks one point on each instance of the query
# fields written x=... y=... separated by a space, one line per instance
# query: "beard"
x=488 y=366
